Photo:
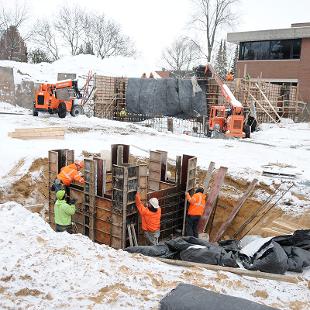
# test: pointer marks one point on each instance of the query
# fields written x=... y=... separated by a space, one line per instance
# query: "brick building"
x=281 y=56
x=12 y=45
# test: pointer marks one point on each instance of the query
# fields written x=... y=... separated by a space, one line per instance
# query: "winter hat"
x=60 y=194
x=154 y=203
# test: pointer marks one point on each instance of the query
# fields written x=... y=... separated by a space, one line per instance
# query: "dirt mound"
x=31 y=188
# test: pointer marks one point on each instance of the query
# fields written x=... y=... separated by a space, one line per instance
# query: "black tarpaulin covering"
x=277 y=255
x=168 y=97
x=191 y=297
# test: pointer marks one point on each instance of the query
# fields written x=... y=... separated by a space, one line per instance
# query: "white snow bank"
x=81 y=65
x=42 y=269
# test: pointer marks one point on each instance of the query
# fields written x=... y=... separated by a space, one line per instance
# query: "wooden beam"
x=263 y=109
x=234 y=212
x=238 y=271
x=211 y=200
x=209 y=175
x=267 y=100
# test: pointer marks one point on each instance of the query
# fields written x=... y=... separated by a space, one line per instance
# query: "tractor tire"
x=62 y=110
x=209 y=132
x=76 y=110
x=247 y=130
x=35 y=112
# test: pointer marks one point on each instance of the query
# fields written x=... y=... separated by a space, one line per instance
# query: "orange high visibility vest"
x=68 y=174
x=196 y=204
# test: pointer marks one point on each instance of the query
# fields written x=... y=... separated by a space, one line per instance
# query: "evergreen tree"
x=234 y=65
x=221 y=61
x=37 y=55
x=224 y=67
x=218 y=59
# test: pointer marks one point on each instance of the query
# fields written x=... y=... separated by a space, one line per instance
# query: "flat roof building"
x=276 y=55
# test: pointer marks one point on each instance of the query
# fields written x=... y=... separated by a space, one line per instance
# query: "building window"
x=268 y=50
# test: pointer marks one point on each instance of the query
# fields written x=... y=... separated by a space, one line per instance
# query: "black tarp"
x=167 y=97
x=190 y=297
x=277 y=255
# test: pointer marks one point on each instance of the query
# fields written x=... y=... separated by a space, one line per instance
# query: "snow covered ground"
x=283 y=149
x=81 y=64
x=42 y=269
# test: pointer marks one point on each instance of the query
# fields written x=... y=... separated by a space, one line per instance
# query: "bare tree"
x=210 y=16
x=181 y=56
x=108 y=40
x=70 y=25
x=11 y=22
x=44 y=37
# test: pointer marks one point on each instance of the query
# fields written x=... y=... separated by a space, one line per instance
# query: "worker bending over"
x=150 y=218
x=68 y=174
x=196 y=208
x=63 y=211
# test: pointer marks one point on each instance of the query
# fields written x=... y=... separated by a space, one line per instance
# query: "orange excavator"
x=228 y=119
x=61 y=97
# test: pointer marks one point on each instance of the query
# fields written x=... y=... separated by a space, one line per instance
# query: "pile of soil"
x=29 y=190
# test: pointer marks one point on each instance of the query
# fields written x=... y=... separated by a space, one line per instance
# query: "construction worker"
x=150 y=218
x=230 y=76
x=68 y=174
x=196 y=208
x=122 y=114
x=63 y=211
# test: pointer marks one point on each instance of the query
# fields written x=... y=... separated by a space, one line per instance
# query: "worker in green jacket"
x=63 y=211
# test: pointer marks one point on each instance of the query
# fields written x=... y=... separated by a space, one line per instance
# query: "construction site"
x=98 y=176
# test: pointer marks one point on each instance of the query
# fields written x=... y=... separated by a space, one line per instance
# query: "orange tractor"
x=60 y=98
x=227 y=119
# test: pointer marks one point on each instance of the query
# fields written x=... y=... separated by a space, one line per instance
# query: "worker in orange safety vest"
x=196 y=208
x=68 y=174
x=150 y=216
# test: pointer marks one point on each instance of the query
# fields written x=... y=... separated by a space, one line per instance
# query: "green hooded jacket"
x=63 y=210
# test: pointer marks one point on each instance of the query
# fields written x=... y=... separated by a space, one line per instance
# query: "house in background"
x=12 y=45
x=280 y=56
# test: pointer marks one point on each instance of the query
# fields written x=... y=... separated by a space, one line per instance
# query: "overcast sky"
x=154 y=24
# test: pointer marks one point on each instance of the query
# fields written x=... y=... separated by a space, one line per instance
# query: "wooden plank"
x=209 y=175
x=211 y=200
x=35 y=134
x=266 y=209
x=129 y=235
x=267 y=100
x=134 y=235
x=238 y=271
x=43 y=129
x=234 y=212
x=190 y=185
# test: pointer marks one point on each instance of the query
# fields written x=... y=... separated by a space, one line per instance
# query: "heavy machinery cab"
x=60 y=98
x=226 y=119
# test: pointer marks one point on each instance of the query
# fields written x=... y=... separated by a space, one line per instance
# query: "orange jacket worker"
x=196 y=208
x=68 y=174
x=150 y=216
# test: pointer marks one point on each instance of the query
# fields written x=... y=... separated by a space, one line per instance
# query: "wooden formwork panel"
x=154 y=170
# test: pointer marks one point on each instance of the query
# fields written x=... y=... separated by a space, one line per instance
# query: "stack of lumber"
x=38 y=133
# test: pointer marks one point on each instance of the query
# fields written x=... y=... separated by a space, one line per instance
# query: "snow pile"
x=42 y=269
x=81 y=64
x=9 y=108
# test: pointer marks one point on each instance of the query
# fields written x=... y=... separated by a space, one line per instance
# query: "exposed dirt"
x=31 y=188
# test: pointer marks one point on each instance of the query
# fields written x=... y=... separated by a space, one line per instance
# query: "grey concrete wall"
x=24 y=94
x=66 y=76
x=7 y=87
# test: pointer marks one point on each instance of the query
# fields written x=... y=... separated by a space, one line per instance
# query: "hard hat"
x=154 y=203
x=80 y=163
